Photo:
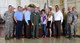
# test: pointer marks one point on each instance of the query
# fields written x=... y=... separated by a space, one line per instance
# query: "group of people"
x=26 y=22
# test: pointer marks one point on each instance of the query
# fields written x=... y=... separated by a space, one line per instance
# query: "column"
x=65 y=5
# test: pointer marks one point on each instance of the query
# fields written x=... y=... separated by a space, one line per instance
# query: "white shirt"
x=45 y=21
x=50 y=18
x=58 y=16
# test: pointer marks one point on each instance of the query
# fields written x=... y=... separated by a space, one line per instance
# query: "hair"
x=19 y=6
x=43 y=10
x=73 y=7
x=56 y=6
x=9 y=6
x=50 y=8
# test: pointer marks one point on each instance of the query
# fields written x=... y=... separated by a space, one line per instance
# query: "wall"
x=4 y=4
x=70 y=3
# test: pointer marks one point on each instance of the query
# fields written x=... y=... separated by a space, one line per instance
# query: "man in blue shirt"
x=27 y=15
x=18 y=17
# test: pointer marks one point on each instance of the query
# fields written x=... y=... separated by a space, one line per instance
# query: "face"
x=10 y=8
x=50 y=9
x=28 y=8
x=20 y=8
x=69 y=9
x=73 y=9
x=56 y=7
x=63 y=10
x=43 y=12
x=36 y=9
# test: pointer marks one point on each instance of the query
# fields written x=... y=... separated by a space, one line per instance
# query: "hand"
x=72 y=23
x=16 y=21
x=46 y=24
x=39 y=24
x=32 y=24
x=28 y=24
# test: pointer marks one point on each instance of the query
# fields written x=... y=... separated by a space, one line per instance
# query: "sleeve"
x=4 y=17
x=61 y=17
x=32 y=17
x=77 y=14
x=39 y=18
x=73 y=19
x=15 y=14
x=25 y=17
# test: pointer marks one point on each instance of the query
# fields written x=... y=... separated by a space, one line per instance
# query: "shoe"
x=37 y=37
x=33 y=37
x=6 y=38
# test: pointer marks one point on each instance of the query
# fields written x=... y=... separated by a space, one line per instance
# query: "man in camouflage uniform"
x=69 y=21
x=8 y=22
x=74 y=22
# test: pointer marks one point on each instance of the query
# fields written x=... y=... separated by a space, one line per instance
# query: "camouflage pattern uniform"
x=8 y=24
x=74 y=23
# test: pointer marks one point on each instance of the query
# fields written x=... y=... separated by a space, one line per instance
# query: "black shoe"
x=74 y=36
x=37 y=37
x=6 y=38
x=52 y=35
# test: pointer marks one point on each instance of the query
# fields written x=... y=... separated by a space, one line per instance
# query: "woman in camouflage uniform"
x=8 y=22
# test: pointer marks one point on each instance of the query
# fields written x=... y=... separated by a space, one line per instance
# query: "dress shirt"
x=58 y=16
x=27 y=16
x=18 y=15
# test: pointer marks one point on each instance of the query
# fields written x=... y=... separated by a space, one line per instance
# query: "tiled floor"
x=41 y=40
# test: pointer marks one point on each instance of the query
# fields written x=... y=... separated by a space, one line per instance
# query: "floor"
x=41 y=40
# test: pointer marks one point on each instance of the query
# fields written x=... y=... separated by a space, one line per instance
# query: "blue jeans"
x=44 y=29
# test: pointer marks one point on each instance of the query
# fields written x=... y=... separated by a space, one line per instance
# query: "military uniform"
x=8 y=24
x=72 y=23
x=35 y=19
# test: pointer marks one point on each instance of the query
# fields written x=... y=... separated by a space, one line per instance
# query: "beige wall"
x=4 y=3
x=69 y=3
x=75 y=3
x=39 y=3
